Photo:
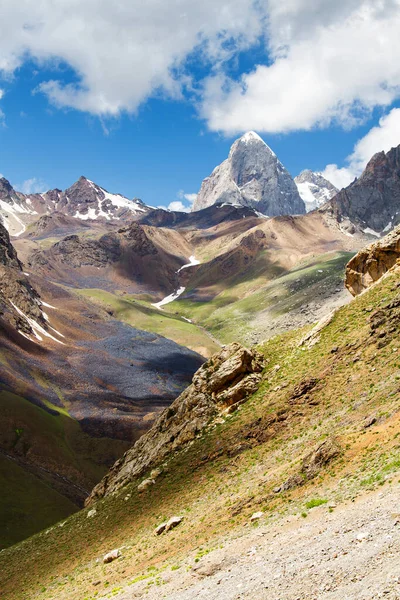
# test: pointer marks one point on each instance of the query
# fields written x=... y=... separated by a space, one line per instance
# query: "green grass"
x=27 y=504
x=56 y=443
x=251 y=304
x=315 y=502
x=138 y=314
x=235 y=466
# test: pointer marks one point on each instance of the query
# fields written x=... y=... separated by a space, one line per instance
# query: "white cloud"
x=32 y=186
x=325 y=62
x=184 y=203
x=190 y=197
x=123 y=51
x=330 y=63
x=179 y=206
x=2 y=116
x=384 y=136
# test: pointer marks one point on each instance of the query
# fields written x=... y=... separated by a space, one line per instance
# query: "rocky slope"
x=20 y=303
x=371 y=263
x=251 y=176
x=220 y=385
x=84 y=200
x=76 y=388
x=236 y=516
x=372 y=202
x=314 y=189
x=130 y=255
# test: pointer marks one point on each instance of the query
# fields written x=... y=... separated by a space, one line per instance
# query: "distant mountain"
x=84 y=200
x=252 y=176
x=372 y=202
x=314 y=189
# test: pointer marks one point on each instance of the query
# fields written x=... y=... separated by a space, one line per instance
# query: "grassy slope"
x=55 y=442
x=150 y=319
x=235 y=466
x=27 y=504
x=230 y=314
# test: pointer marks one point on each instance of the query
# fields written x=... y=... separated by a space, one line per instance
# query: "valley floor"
x=347 y=553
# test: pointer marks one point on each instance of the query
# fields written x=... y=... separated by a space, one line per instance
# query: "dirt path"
x=352 y=553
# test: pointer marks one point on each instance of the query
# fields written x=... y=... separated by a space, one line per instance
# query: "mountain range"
x=109 y=306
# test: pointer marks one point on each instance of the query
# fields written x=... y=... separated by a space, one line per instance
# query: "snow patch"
x=47 y=305
x=192 y=262
x=252 y=136
x=37 y=329
x=388 y=226
x=169 y=298
x=371 y=232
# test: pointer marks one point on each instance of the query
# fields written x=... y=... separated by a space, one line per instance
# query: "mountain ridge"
x=84 y=200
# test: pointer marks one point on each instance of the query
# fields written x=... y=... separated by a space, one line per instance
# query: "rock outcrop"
x=368 y=265
x=220 y=384
x=314 y=189
x=251 y=176
x=19 y=301
x=373 y=201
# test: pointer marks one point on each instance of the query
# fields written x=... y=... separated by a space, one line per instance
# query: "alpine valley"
x=153 y=362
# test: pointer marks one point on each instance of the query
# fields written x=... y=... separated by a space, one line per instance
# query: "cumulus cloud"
x=32 y=186
x=2 y=116
x=384 y=136
x=332 y=63
x=323 y=62
x=184 y=202
x=122 y=52
x=190 y=197
x=178 y=205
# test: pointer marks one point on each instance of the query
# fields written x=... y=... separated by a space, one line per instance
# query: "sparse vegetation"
x=238 y=465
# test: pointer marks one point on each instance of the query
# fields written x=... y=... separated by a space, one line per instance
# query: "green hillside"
x=341 y=386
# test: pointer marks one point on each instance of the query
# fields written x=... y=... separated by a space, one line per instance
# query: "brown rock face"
x=373 y=199
x=226 y=379
x=15 y=290
x=372 y=262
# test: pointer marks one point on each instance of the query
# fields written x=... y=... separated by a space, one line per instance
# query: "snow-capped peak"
x=251 y=136
x=252 y=176
x=314 y=189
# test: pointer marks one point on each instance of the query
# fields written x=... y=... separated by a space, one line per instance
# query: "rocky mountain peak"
x=373 y=200
x=251 y=137
x=6 y=188
x=83 y=191
x=314 y=189
x=252 y=176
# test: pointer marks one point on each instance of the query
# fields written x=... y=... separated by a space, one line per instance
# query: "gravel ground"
x=351 y=553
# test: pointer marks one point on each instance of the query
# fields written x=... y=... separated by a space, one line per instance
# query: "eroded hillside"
x=322 y=428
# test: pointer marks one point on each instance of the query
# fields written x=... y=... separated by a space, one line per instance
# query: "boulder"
x=256 y=516
x=173 y=522
x=146 y=483
x=168 y=525
x=371 y=263
x=110 y=556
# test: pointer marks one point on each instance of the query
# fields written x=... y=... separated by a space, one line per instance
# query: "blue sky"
x=153 y=120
